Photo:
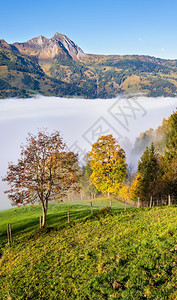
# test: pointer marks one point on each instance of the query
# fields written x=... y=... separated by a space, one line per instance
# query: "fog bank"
x=80 y=121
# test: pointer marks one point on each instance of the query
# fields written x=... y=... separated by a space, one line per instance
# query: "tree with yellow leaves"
x=125 y=193
x=136 y=186
x=108 y=164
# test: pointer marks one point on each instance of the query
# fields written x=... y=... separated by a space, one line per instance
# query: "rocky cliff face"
x=47 y=49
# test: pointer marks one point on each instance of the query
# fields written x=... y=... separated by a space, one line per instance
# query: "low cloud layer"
x=80 y=121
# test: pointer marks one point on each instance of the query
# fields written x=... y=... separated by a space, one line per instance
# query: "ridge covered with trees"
x=37 y=67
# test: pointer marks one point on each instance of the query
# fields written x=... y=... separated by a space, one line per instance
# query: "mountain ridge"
x=59 y=45
x=57 y=66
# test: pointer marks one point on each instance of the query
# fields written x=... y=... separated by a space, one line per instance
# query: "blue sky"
x=100 y=27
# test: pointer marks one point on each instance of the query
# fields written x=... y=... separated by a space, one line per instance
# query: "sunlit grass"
x=25 y=219
x=114 y=254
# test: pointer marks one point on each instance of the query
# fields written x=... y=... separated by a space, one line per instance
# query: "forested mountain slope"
x=58 y=66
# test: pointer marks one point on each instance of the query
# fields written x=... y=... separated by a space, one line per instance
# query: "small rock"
x=174 y=249
x=116 y=285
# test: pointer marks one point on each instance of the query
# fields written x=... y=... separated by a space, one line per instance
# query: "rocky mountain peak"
x=40 y=40
x=57 y=46
x=57 y=34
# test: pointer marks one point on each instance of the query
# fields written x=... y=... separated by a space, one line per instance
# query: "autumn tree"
x=45 y=171
x=108 y=165
x=125 y=193
x=136 y=187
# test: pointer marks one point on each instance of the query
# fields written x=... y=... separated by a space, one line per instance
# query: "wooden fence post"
x=40 y=222
x=125 y=208
x=68 y=215
x=81 y=195
x=169 y=200
x=110 y=204
x=8 y=234
x=150 y=205
x=91 y=206
x=138 y=203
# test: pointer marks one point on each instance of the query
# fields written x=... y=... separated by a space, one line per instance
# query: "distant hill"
x=59 y=67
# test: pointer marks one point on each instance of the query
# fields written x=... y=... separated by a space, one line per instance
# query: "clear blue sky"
x=97 y=26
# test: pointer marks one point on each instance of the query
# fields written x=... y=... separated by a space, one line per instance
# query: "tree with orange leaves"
x=45 y=171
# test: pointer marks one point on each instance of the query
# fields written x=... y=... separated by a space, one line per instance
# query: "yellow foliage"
x=125 y=193
x=108 y=165
x=135 y=187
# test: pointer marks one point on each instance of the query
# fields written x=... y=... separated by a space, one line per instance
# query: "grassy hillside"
x=111 y=255
x=26 y=219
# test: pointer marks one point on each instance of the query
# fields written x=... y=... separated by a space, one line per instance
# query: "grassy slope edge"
x=111 y=255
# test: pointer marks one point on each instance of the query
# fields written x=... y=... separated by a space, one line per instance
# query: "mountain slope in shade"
x=22 y=76
x=5 y=45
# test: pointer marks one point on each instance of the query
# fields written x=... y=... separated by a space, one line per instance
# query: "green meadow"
x=117 y=254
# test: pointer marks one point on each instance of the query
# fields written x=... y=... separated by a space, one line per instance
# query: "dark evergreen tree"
x=170 y=160
x=148 y=168
x=171 y=144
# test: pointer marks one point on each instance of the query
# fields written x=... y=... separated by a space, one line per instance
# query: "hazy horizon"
x=80 y=121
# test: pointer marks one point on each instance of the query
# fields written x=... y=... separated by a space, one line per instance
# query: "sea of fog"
x=80 y=121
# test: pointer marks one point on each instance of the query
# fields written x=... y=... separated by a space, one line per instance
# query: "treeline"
x=47 y=171
x=106 y=171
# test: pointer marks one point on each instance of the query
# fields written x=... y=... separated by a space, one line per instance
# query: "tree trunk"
x=44 y=213
x=43 y=219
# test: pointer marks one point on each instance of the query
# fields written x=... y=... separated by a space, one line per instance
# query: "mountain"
x=58 y=46
x=21 y=75
x=59 y=67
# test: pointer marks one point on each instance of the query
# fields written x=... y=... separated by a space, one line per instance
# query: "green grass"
x=120 y=254
x=26 y=219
